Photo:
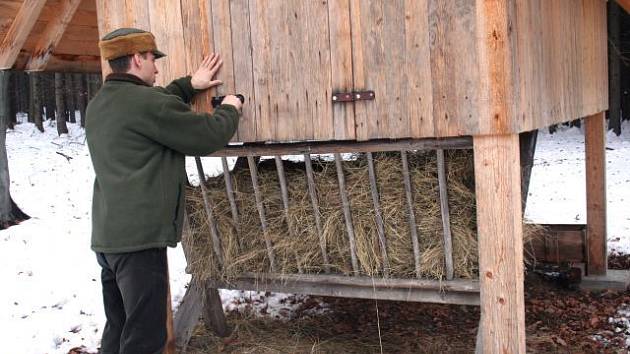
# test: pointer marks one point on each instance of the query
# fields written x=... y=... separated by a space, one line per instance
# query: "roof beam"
x=18 y=33
x=52 y=35
x=625 y=4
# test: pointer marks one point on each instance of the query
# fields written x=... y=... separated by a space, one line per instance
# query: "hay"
x=244 y=246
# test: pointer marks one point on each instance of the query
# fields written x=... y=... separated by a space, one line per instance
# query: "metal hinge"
x=352 y=96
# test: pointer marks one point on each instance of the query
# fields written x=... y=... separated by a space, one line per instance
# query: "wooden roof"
x=51 y=35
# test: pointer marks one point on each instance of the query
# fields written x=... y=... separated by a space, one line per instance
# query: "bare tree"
x=10 y=213
x=62 y=128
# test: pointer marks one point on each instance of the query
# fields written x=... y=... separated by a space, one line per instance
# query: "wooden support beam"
x=459 y=291
x=52 y=35
x=412 y=215
x=212 y=225
x=346 y=213
x=625 y=4
x=595 y=149
x=500 y=233
x=17 y=34
x=379 y=217
x=446 y=218
x=285 y=202
x=229 y=190
x=312 y=191
x=261 y=212
x=527 y=142
x=260 y=149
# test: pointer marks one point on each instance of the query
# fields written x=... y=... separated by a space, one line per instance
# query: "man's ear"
x=136 y=60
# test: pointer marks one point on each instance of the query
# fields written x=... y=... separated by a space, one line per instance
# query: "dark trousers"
x=135 y=288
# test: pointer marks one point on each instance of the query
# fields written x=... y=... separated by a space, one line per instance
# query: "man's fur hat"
x=128 y=41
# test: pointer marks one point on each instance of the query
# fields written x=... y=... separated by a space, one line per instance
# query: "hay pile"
x=244 y=246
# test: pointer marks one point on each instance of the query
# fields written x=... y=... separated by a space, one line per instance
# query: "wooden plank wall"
x=421 y=57
x=560 y=61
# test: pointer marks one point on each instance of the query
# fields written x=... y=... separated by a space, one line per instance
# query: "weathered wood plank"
x=500 y=240
x=332 y=147
x=345 y=203
x=198 y=39
x=213 y=315
x=464 y=292
x=595 y=149
x=52 y=35
x=454 y=67
x=166 y=26
x=341 y=67
x=410 y=210
x=18 y=32
x=243 y=68
x=446 y=218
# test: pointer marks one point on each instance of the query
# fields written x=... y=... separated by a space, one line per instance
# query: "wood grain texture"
x=52 y=35
x=17 y=34
x=595 y=149
x=500 y=237
x=166 y=26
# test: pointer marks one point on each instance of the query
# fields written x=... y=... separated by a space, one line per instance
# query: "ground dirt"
x=559 y=319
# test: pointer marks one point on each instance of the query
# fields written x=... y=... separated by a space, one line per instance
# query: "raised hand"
x=203 y=78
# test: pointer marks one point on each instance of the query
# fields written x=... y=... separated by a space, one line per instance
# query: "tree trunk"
x=24 y=92
x=10 y=213
x=49 y=96
x=62 y=128
x=614 y=68
x=71 y=105
x=14 y=100
x=36 y=103
x=79 y=81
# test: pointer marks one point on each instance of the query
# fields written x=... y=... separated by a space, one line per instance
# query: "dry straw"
x=244 y=246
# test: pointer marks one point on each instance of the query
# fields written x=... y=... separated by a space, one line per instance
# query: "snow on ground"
x=51 y=299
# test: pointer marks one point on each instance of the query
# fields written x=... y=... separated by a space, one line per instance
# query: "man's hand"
x=234 y=101
x=203 y=77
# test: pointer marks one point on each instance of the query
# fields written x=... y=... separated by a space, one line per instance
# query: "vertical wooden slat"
x=316 y=213
x=17 y=34
x=379 y=217
x=454 y=77
x=346 y=213
x=412 y=215
x=208 y=205
x=52 y=35
x=595 y=148
x=341 y=66
x=500 y=233
x=446 y=219
x=243 y=68
x=285 y=202
x=229 y=189
x=167 y=26
x=261 y=212
x=198 y=42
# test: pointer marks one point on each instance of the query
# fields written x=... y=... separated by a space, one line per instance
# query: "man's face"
x=147 y=69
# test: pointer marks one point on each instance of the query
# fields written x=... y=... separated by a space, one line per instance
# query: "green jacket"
x=138 y=137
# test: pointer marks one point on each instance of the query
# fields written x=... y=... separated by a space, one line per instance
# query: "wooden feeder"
x=339 y=76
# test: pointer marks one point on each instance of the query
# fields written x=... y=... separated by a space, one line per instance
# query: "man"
x=138 y=136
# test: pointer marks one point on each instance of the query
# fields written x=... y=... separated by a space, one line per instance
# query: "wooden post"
x=261 y=212
x=446 y=218
x=595 y=148
x=312 y=191
x=346 y=213
x=379 y=217
x=412 y=214
x=500 y=232
x=229 y=189
x=285 y=202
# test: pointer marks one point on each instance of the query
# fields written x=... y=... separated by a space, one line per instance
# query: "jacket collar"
x=126 y=78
